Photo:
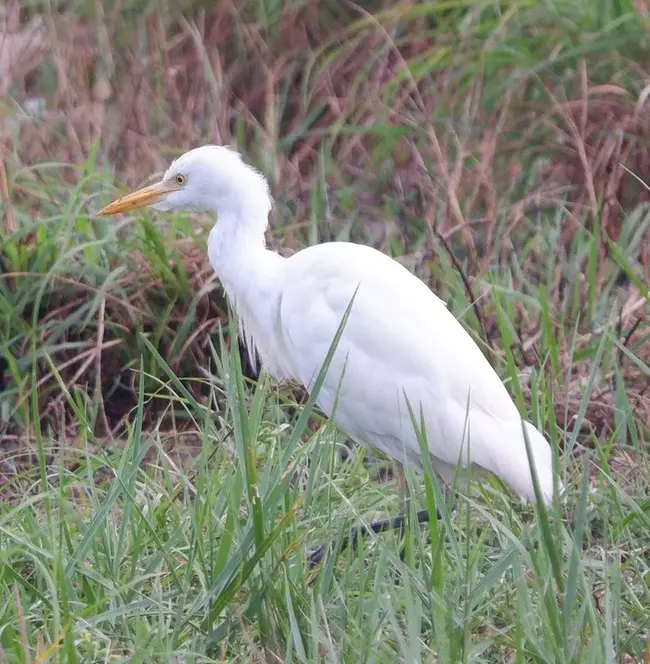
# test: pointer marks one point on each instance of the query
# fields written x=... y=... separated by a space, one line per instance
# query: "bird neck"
x=250 y=275
x=237 y=248
x=241 y=202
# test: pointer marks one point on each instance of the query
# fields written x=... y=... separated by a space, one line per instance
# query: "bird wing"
x=400 y=342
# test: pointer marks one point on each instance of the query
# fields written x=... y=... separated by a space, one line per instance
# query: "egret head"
x=210 y=178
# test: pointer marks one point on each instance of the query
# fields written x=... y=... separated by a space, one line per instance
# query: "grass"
x=159 y=500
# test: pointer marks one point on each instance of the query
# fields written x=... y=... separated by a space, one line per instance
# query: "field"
x=159 y=498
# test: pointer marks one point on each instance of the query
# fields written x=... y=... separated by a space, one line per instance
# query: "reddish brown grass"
x=201 y=80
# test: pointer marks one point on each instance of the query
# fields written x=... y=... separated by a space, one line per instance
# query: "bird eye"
x=180 y=179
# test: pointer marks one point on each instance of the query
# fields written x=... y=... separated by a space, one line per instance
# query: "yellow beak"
x=139 y=199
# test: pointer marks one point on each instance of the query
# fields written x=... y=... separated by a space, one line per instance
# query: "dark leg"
x=376 y=527
x=400 y=474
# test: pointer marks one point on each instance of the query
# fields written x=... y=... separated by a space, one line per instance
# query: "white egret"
x=400 y=345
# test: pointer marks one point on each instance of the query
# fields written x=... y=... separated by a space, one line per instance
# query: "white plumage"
x=400 y=341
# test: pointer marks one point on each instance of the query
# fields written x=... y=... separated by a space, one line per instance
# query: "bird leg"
x=352 y=539
x=405 y=494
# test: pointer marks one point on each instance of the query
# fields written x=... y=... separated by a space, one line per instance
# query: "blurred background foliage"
x=488 y=145
x=481 y=142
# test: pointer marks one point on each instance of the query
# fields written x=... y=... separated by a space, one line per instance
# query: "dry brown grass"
x=312 y=83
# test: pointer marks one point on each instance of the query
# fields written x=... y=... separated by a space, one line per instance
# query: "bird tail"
x=542 y=457
x=510 y=460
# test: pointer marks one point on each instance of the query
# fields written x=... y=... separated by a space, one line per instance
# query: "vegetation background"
x=159 y=506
